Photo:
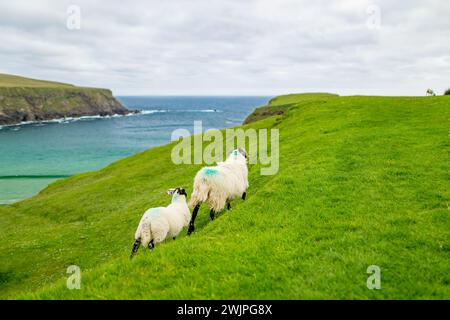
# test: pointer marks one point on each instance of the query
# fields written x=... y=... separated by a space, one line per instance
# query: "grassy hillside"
x=9 y=81
x=278 y=105
x=362 y=181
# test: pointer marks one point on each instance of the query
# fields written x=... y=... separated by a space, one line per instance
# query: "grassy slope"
x=279 y=105
x=16 y=84
x=9 y=80
x=362 y=181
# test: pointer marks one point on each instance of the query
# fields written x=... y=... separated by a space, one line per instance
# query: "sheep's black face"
x=180 y=191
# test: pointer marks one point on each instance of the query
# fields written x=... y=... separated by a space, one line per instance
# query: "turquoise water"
x=34 y=155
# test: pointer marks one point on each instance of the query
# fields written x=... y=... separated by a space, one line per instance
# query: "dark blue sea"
x=35 y=154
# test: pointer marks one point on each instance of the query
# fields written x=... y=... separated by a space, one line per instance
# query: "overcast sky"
x=237 y=47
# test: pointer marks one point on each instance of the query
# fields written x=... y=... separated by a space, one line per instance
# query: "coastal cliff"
x=23 y=99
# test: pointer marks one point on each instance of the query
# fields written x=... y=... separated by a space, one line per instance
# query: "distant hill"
x=25 y=99
x=278 y=105
x=10 y=81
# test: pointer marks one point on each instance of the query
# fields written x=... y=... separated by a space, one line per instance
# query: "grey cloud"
x=230 y=47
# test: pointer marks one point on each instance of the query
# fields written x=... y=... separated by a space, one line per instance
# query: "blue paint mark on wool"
x=210 y=172
x=154 y=212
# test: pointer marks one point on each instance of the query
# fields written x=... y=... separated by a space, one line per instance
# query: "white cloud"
x=231 y=47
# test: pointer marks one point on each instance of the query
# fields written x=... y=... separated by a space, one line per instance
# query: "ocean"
x=33 y=155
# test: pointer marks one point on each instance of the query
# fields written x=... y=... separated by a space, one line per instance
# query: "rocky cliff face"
x=37 y=104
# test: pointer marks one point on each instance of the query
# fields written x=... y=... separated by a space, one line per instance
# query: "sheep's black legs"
x=194 y=215
x=244 y=195
x=228 y=205
x=136 y=245
x=212 y=214
x=151 y=245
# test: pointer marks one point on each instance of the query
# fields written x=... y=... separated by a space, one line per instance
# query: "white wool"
x=219 y=184
x=160 y=223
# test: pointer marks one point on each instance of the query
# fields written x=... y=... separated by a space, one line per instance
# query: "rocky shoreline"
x=18 y=105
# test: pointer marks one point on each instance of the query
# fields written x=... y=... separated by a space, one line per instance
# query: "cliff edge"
x=24 y=99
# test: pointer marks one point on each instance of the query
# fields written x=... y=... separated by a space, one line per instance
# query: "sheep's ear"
x=242 y=151
x=170 y=192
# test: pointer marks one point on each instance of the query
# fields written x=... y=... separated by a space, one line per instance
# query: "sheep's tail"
x=144 y=236
x=200 y=192
x=136 y=245
x=146 y=233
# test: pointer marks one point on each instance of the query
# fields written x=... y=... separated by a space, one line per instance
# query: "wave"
x=72 y=119
x=95 y=117
x=48 y=176
x=202 y=110
x=9 y=201
x=151 y=111
x=65 y=120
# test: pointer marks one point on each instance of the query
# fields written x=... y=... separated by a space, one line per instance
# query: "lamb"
x=160 y=223
x=218 y=185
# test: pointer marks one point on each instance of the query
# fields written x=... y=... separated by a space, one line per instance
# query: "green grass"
x=362 y=181
x=279 y=105
x=9 y=80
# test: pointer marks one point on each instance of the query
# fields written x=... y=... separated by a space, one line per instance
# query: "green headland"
x=23 y=99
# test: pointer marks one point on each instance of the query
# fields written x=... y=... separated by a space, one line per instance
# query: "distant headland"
x=24 y=99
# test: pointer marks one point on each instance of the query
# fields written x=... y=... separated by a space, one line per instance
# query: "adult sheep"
x=218 y=185
x=430 y=92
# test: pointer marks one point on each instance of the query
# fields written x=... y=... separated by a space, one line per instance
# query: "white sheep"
x=219 y=185
x=158 y=224
x=430 y=92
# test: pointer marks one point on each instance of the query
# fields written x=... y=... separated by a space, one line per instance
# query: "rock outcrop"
x=18 y=104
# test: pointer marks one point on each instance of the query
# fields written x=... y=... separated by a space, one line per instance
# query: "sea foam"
x=96 y=117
